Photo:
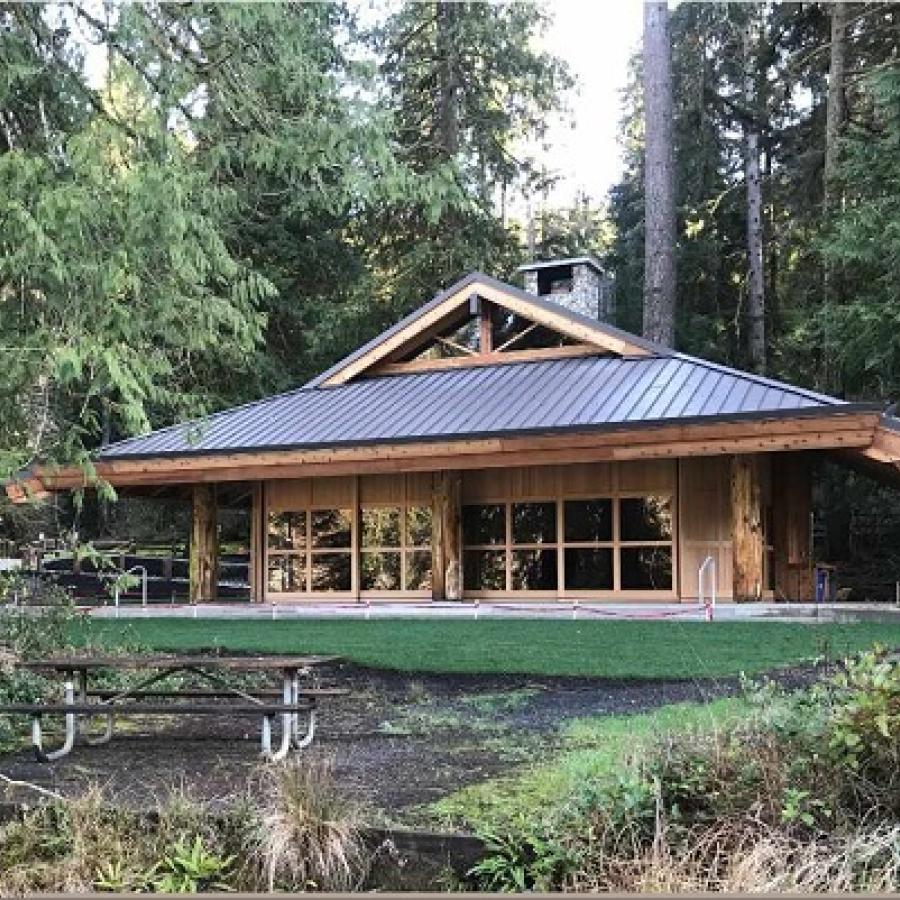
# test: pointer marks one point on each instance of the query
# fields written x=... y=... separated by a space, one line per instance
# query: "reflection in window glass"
x=646 y=568
x=484 y=570
x=418 y=526
x=588 y=521
x=331 y=528
x=589 y=569
x=534 y=523
x=380 y=526
x=331 y=571
x=380 y=571
x=645 y=519
x=484 y=524
x=287 y=531
x=287 y=574
x=418 y=570
x=534 y=570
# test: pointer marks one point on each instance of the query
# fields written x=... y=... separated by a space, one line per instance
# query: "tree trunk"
x=448 y=79
x=836 y=116
x=659 y=179
x=836 y=110
x=446 y=562
x=756 y=291
x=203 y=563
x=748 y=543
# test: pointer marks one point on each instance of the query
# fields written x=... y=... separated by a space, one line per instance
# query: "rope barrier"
x=366 y=607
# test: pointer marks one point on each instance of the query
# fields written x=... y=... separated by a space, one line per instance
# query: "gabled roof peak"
x=428 y=319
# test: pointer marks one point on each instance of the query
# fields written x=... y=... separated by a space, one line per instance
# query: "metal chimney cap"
x=590 y=261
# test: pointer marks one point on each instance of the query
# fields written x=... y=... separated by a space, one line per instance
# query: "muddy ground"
x=398 y=741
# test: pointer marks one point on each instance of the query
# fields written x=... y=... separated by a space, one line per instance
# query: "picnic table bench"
x=83 y=700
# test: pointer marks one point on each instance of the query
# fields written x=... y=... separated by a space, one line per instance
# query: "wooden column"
x=792 y=525
x=446 y=565
x=257 y=544
x=204 y=557
x=747 y=527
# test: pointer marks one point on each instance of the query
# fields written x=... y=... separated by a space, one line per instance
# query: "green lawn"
x=619 y=649
x=590 y=750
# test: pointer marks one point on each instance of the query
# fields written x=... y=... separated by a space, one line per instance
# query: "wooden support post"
x=257 y=544
x=747 y=527
x=792 y=525
x=446 y=562
x=204 y=554
x=486 y=328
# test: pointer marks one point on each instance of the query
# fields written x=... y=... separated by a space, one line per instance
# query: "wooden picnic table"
x=82 y=699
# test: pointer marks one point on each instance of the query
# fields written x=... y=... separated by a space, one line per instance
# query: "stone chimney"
x=579 y=284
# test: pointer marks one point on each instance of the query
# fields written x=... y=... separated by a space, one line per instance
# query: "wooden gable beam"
x=485 y=359
x=426 y=326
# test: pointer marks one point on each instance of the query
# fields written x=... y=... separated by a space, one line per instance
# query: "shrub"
x=801 y=794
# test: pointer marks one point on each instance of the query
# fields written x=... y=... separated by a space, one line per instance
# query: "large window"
x=578 y=544
x=309 y=551
x=645 y=552
x=395 y=548
x=510 y=546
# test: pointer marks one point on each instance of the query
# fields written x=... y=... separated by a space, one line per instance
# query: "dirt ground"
x=398 y=741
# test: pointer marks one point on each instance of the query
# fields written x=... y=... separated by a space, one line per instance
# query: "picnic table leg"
x=307 y=739
x=300 y=741
x=37 y=736
x=106 y=735
x=287 y=724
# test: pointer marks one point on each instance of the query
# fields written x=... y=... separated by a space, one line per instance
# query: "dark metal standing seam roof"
x=574 y=394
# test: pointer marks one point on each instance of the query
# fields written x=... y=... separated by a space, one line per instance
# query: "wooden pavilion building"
x=501 y=443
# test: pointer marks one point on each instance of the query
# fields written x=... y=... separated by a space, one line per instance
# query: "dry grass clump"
x=293 y=831
x=58 y=845
x=750 y=858
x=309 y=836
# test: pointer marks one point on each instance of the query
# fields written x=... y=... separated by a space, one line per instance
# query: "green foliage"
x=808 y=766
x=91 y=842
x=858 y=329
x=190 y=869
x=246 y=193
x=830 y=273
x=525 y=857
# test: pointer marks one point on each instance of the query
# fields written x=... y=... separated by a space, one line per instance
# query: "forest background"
x=255 y=189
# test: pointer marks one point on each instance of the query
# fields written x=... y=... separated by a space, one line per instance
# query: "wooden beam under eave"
x=748 y=539
x=203 y=564
x=833 y=432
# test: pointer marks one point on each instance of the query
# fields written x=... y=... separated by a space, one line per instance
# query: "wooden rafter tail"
x=15 y=492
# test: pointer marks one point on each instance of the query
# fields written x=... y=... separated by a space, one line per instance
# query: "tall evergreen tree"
x=659 y=175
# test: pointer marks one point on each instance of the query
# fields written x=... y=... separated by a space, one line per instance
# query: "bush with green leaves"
x=802 y=769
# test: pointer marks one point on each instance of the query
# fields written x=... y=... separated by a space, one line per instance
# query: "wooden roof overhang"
x=851 y=427
x=881 y=459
